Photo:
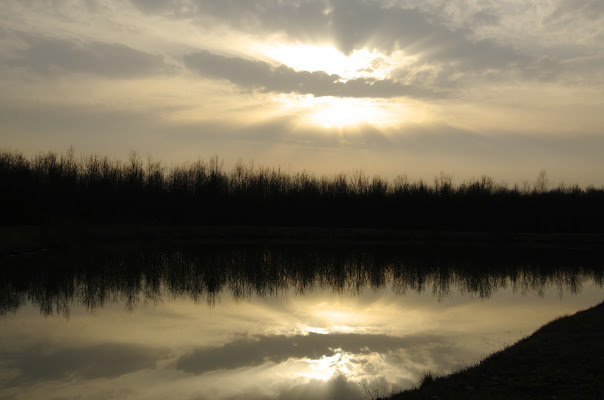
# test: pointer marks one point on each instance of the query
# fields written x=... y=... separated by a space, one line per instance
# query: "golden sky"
x=467 y=87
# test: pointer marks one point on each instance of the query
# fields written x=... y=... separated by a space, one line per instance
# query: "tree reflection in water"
x=93 y=276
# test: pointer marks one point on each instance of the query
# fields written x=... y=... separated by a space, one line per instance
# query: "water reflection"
x=269 y=322
x=94 y=276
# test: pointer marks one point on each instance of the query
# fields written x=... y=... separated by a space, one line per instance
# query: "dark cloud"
x=446 y=57
x=46 y=362
x=260 y=349
x=113 y=60
x=454 y=56
x=298 y=19
x=262 y=76
x=356 y=24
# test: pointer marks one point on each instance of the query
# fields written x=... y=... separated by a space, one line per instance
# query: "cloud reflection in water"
x=283 y=324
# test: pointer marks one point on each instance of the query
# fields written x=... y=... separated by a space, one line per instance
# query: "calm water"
x=268 y=323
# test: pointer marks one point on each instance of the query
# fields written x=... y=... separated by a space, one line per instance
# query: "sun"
x=338 y=113
x=333 y=112
x=303 y=57
x=330 y=112
x=326 y=367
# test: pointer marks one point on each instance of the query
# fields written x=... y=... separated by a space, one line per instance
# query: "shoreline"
x=560 y=360
x=18 y=238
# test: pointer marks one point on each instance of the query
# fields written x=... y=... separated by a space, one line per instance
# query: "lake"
x=157 y=321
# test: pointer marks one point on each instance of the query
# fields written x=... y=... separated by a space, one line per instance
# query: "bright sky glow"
x=335 y=316
x=497 y=88
x=334 y=112
x=320 y=331
x=337 y=113
x=324 y=368
x=326 y=58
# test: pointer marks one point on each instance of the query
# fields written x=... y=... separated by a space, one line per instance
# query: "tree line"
x=52 y=187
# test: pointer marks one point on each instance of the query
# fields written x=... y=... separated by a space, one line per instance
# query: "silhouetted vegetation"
x=54 y=187
x=93 y=276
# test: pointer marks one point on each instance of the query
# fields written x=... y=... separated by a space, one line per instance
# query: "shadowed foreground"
x=562 y=360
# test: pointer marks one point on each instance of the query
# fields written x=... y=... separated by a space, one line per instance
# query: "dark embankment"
x=51 y=188
x=562 y=360
x=72 y=234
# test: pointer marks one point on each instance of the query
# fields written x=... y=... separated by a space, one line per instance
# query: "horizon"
x=467 y=88
x=542 y=179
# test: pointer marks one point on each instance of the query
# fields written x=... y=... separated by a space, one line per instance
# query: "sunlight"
x=335 y=316
x=305 y=330
x=335 y=112
x=310 y=329
x=303 y=57
x=324 y=368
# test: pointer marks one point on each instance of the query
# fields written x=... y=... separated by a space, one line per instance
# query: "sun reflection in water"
x=311 y=329
x=327 y=366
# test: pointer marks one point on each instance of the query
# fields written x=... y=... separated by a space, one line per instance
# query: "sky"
x=467 y=87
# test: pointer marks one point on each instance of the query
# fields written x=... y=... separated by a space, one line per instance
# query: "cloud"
x=336 y=388
x=445 y=52
x=299 y=20
x=570 y=9
x=64 y=123
x=339 y=387
x=485 y=18
x=262 y=76
x=356 y=24
x=50 y=55
x=260 y=349
x=45 y=362
x=154 y=6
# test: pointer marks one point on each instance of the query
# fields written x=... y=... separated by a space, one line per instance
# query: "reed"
x=52 y=187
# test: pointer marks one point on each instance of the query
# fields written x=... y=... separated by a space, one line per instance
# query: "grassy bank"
x=564 y=359
x=51 y=188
